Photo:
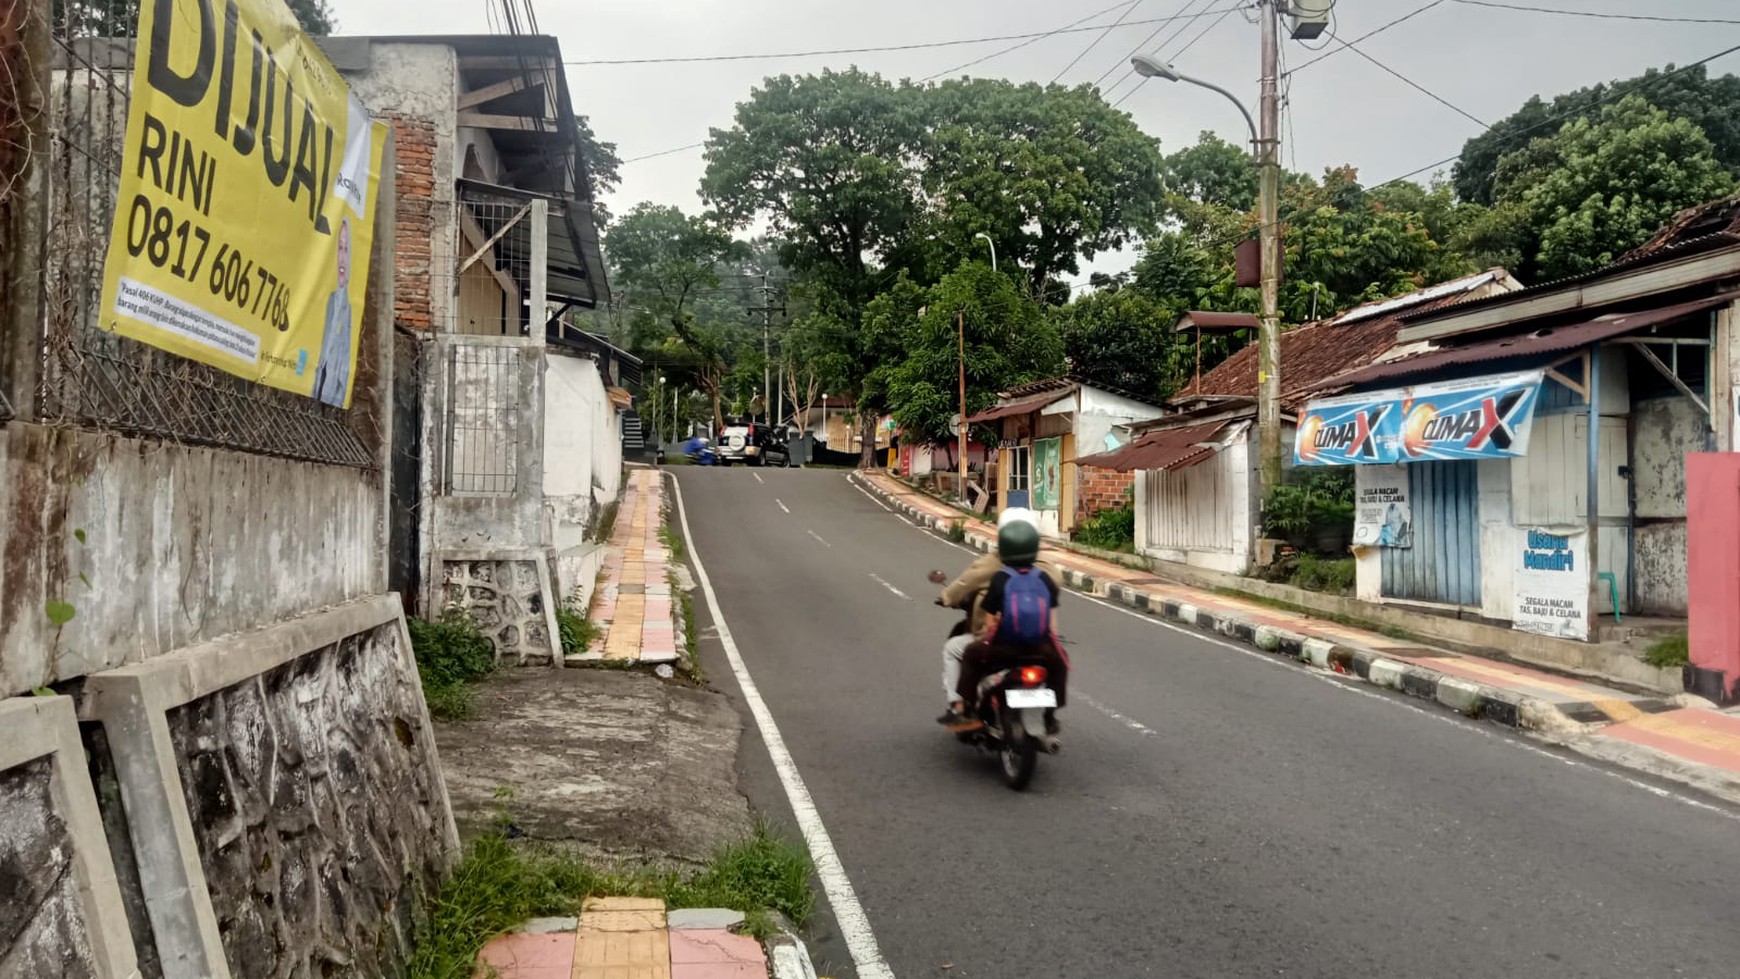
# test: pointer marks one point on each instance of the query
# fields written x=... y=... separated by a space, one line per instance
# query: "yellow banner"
x=245 y=218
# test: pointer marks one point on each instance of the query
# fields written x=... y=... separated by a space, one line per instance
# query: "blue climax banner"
x=1474 y=418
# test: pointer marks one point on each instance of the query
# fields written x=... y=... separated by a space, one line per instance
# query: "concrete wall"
x=1663 y=432
x=156 y=546
x=511 y=399
x=582 y=452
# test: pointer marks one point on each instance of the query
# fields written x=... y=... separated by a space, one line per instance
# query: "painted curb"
x=1473 y=700
x=789 y=958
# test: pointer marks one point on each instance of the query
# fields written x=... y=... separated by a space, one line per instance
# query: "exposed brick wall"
x=414 y=183
x=1102 y=489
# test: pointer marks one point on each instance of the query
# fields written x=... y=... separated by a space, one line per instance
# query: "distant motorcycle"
x=1012 y=703
x=699 y=452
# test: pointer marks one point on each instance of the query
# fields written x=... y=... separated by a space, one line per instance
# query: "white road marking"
x=1351 y=686
x=819 y=538
x=885 y=584
x=1133 y=725
x=759 y=479
x=848 y=913
x=782 y=505
x=853 y=479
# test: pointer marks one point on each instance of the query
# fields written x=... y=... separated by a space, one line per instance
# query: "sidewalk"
x=1690 y=743
x=633 y=601
x=635 y=938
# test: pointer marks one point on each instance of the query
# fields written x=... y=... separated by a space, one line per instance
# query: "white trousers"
x=953 y=650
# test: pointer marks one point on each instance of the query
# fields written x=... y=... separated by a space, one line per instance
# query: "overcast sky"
x=1345 y=110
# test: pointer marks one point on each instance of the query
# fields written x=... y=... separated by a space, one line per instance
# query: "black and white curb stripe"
x=1466 y=697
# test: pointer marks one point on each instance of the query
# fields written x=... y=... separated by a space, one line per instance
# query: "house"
x=1196 y=468
x=509 y=449
x=1041 y=427
x=834 y=423
x=1482 y=488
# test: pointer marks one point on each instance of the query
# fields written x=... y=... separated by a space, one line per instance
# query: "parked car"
x=753 y=443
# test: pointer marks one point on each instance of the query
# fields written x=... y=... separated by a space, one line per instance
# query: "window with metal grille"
x=483 y=419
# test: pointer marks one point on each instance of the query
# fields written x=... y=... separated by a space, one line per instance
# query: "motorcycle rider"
x=999 y=648
x=967 y=592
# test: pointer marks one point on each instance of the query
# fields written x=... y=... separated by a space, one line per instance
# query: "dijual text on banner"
x=244 y=222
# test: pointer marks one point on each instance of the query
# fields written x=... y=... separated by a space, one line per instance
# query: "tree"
x=665 y=261
x=1051 y=174
x=1009 y=341
x=1603 y=185
x=120 y=18
x=1213 y=171
x=603 y=170
x=1712 y=104
x=1126 y=340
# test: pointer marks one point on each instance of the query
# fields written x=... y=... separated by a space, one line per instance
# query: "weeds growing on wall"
x=958 y=531
x=575 y=629
x=1335 y=577
x=451 y=654
x=1112 y=529
x=1669 y=651
x=498 y=885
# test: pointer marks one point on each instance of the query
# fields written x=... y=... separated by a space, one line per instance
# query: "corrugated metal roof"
x=1309 y=356
x=1213 y=322
x=1539 y=343
x=1020 y=406
x=1170 y=448
x=1444 y=290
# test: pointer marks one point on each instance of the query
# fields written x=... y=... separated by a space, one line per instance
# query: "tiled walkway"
x=626 y=938
x=633 y=601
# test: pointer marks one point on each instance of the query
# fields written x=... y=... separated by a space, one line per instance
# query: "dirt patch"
x=614 y=763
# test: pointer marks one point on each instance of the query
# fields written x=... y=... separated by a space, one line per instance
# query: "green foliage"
x=957 y=533
x=1112 y=529
x=1315 y=498
x=60 y=613
x=603 y=169
x=498 y=886
x=450 y=654
x=1009 y=341
x=574 y=628
x=1335 y=577
x=1669 y=652
x=1213 y=171
x=1125 y=340
x=120 y=18
x=1605 y=184
x=1711 y=104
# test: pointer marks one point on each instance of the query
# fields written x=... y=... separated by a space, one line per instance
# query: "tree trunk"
x=867 y=423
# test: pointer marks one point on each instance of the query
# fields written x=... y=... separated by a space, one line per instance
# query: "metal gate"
x=1443 y=566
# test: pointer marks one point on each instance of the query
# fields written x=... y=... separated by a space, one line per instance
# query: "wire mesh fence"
x=94 y=378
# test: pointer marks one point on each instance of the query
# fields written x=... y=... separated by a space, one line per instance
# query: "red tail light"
x=1032 y=676
x=752 y=431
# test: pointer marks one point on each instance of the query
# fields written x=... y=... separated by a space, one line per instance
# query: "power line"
x=1181 y=53
x=916 y=46
x=1434 y=96
x=651 y=156
x=1096 y=41
x=1017 y=47
x=1125 y=61
x=1598 y=16
x=1371 y=34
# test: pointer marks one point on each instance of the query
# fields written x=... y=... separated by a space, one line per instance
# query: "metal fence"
x=483 y=418
x=93 y=378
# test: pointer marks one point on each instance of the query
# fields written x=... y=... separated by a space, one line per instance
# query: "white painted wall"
x=1200 y=515
x=582 y=453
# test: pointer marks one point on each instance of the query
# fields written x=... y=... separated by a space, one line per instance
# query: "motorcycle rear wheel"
x=1019 y=753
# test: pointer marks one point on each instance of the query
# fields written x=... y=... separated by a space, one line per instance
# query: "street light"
x=993 y=245
x=825 y=419
x=673 y=409
x=1266 y=149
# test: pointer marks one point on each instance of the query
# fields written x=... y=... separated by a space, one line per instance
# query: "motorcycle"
x=700 y=452
x=1013 y=703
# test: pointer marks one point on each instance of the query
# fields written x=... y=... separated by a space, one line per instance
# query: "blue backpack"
x=1026 y=607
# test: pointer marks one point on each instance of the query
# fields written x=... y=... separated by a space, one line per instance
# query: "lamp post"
x=993 y=246
x=825 y=419
x=1266 y=146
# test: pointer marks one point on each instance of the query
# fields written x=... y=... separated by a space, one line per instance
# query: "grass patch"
x=451 y=654
x=1333 y=576
x=1669 y=651
x=1112 y=529
x=498 y=885
x=604 y=522
x=958 y=531
x=577 y=630
x=673 y=541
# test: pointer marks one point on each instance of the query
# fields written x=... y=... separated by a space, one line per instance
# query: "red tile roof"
x=1310 y=355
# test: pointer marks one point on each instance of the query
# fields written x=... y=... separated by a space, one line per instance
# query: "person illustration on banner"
x=332 y=374
x=1396 y=532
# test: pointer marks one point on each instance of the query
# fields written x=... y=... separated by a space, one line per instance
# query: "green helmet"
x=1018 y=544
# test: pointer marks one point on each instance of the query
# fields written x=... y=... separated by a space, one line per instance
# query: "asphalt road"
x=1214 y=812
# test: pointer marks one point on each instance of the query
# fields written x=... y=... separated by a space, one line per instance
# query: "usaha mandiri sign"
x=244 y=222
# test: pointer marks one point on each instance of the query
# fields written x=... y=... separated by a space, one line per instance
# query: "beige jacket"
x=976 y=580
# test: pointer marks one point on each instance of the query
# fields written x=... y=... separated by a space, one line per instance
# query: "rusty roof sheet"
x=1310 y=355
x=1019 y=406
x=1168 y=448
x=1541 y=342
x=1712 y=218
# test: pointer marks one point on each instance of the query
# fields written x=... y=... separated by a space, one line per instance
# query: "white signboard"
x=1552 y=583
x=1383 y=513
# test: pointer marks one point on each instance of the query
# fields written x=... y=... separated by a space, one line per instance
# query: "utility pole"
x=1269 y=336
x=767 y=309
x=961 y=332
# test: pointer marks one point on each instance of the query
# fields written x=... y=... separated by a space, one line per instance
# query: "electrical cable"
x=1371 y=34
x=1017 y=47
x=1434 y=96
x=1097 y=39
x=915 y=46
x=1139 y=48
x=1656 y=18
x=1181 y=53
